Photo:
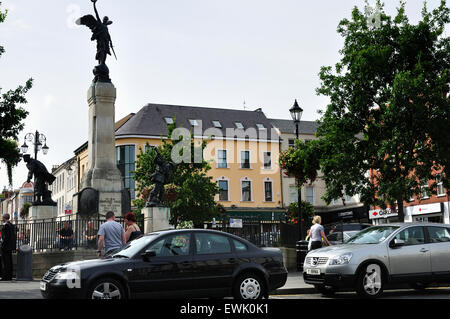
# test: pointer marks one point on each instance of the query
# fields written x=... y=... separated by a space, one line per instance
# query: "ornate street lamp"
x=296 y=113
x=37 y=139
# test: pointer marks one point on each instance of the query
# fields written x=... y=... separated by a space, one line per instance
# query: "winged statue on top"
x=100 y=33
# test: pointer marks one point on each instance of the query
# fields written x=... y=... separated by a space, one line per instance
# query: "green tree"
x=190 y=193
x=11 y=117
x=307 y=213
x=389 y=113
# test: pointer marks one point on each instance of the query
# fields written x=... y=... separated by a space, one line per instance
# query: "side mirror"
x=397 y=243
x=148 y=254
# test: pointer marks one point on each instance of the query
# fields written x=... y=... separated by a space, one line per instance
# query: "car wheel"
x=249 y=286
x=370 y=281
x=106 y=288
x=325 y=290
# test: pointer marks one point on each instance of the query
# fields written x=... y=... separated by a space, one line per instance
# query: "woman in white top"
x=317 y=233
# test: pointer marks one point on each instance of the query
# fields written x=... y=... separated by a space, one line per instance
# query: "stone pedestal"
x=156 y=219
x=102 y=172
x=39 y=213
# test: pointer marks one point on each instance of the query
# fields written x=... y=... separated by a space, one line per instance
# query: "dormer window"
x=260 y=126
x=239 y=125
x=193 y=122
x=217 y=124
x=168 y=120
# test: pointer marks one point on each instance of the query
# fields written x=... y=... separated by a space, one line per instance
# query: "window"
x=310 y=194
x=246 y=191
x=168 y=120
x=223 y=190
x=148 y=148
x=175 y=245
x=126 y=165
x=268 y=193
x=217 y=124
x=412 y=236
x=267 y=160
x=440 y=185
x=222 y=159
x=239 y=125
x=260 y=126
x=424 y=190
x=293 y=194
x=238 y=246
x=211 y=244
x=439 y=234
x=348 y=198
x=245 y=159
x=193 y=122
x=291 y=142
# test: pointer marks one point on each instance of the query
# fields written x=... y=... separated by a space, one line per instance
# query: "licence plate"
x=43 y=286
x=314 y=272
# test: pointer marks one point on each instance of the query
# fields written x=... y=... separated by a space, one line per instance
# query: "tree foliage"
x=11 y=117
x=191 y=192
x=307 y=213
x=388 y=113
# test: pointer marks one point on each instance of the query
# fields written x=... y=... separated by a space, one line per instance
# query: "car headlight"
x=341 y=260
x=68 y=275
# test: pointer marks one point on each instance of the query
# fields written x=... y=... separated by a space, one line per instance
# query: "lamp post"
x=296 y=113
x=37 y=139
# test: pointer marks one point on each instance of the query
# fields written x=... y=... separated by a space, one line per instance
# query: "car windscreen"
x=372 y=235
x=134 y=247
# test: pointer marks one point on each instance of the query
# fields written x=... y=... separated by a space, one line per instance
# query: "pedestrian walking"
x=133 y=230
x=317 y=233
x=8 y=246
x=111 y=235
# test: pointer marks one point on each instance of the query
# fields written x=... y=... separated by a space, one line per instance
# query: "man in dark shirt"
x=8 y=246
x=66 y=237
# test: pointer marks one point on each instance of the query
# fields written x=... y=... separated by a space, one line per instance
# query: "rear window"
x=439 y=234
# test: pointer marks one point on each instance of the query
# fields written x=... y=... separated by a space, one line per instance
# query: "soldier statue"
x=43 y=197
x=160 y=178
x=100 y=33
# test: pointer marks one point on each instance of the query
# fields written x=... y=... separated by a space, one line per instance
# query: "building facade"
x=347 y=209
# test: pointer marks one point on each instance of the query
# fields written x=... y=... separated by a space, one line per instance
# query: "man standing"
x=111 y=234
x=8 y=246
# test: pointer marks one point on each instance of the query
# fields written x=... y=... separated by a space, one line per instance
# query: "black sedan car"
x=173 y=264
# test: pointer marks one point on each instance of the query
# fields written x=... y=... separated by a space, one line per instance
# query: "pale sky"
x=211 y=53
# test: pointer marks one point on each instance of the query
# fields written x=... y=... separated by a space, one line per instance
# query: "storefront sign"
x=426 y=209
x=382 y=213
x=346 y=214
x=235 y=223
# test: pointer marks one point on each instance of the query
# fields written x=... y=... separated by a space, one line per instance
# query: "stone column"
x=156 y=219
x=103 y=174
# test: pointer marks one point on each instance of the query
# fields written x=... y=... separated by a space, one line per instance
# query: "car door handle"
x=232 y=260
x=424 y=250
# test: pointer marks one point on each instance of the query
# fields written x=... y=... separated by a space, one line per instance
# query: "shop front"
x=383 y=216
x=345 y=215
x=430 y=213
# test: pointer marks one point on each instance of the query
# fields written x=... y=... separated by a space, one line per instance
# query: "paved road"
x=30 y=290
x=432 y=293
x=20 y=290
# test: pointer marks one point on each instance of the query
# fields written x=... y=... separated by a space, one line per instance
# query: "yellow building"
x=242 y=148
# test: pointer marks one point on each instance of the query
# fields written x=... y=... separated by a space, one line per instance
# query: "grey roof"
x=288 y=126
x=150 y=120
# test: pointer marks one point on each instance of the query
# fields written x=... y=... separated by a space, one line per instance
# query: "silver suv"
x=418 y=254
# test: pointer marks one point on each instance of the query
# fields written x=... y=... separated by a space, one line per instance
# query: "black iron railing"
x=44 y=235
